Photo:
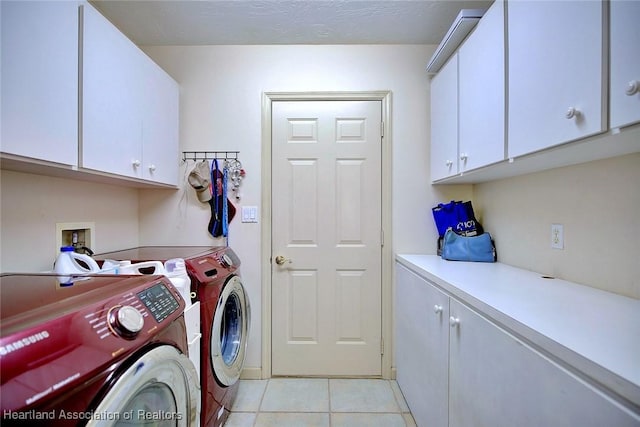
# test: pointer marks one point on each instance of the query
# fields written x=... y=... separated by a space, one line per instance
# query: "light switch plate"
x=249 y=214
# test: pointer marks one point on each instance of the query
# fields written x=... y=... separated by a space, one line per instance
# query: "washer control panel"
x=160 y=302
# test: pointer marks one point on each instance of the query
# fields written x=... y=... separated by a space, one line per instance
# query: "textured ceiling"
x=209 y=22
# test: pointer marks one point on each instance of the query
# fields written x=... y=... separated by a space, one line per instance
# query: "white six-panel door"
x=326 y=225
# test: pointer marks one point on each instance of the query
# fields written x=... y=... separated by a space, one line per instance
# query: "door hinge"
x=381 y=128
x=381 y=346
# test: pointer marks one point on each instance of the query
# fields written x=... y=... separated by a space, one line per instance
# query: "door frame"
x=268 y=98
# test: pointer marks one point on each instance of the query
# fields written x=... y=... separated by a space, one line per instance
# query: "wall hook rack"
x=209 y=155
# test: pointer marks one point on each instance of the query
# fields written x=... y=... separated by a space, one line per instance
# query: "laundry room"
x=230 y=99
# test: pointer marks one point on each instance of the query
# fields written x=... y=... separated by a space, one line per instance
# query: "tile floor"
x=319 y=402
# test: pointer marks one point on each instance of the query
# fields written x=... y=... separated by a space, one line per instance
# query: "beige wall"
x=598 y=204
x=220 y=109
x=31 y=205
x=221 y=91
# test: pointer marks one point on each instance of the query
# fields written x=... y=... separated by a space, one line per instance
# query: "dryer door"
x=230 y=332
x=161 y=387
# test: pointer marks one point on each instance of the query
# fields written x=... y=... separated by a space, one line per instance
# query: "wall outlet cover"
x=557 y=236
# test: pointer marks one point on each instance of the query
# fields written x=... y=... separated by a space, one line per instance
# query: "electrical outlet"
x=557 y=236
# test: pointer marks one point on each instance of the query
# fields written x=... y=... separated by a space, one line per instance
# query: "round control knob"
x=633 y=87
x=126 y=321
x=226 y=261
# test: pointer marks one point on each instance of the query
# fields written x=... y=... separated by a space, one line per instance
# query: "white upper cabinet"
x=130 y=107
x=556 y=79
x=160 y=125
x=481 y=92
x=468 y=102
x=40 y=80
x=624 y=91
x=111 y=99
x=444 y=121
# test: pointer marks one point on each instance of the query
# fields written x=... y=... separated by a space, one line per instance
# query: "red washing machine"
x=105 y=350
x=225 y=318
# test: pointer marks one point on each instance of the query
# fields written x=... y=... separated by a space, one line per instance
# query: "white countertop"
x=593 y=331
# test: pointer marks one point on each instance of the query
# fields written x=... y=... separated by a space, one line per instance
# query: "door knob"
x=280 y=260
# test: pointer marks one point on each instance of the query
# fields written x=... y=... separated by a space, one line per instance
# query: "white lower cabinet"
x=457 y=368
x=497 y=380
x=422 y=348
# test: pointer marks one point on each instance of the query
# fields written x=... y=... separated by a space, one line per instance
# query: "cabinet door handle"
x=437 y=309
x=572 y=112
x=449 y=163
x=152 y=168
x=464 y=157
x=454 y=321
x=135 y=163
x=633 y=87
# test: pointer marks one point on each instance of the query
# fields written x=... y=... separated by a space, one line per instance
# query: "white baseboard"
x=251 y=373
x=255 y=373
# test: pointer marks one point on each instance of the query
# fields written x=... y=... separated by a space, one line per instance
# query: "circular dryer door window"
x=146 y=403
x=160 y=388
x=230 y=332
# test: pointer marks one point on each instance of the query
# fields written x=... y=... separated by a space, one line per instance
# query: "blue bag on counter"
x=468 y=248
x=458 y=216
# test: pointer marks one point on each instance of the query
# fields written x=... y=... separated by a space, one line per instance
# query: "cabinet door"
x=497 y=380
x=444 y=121
x=555 y=67
x=113 y=84
x=160 y=129
x=625 y=63
x=40 y=80
x=422 y=347
x=481 y=92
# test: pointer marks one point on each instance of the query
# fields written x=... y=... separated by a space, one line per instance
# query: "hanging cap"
x=200 y=180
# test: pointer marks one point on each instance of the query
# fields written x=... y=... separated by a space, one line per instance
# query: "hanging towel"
x=219 y=202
